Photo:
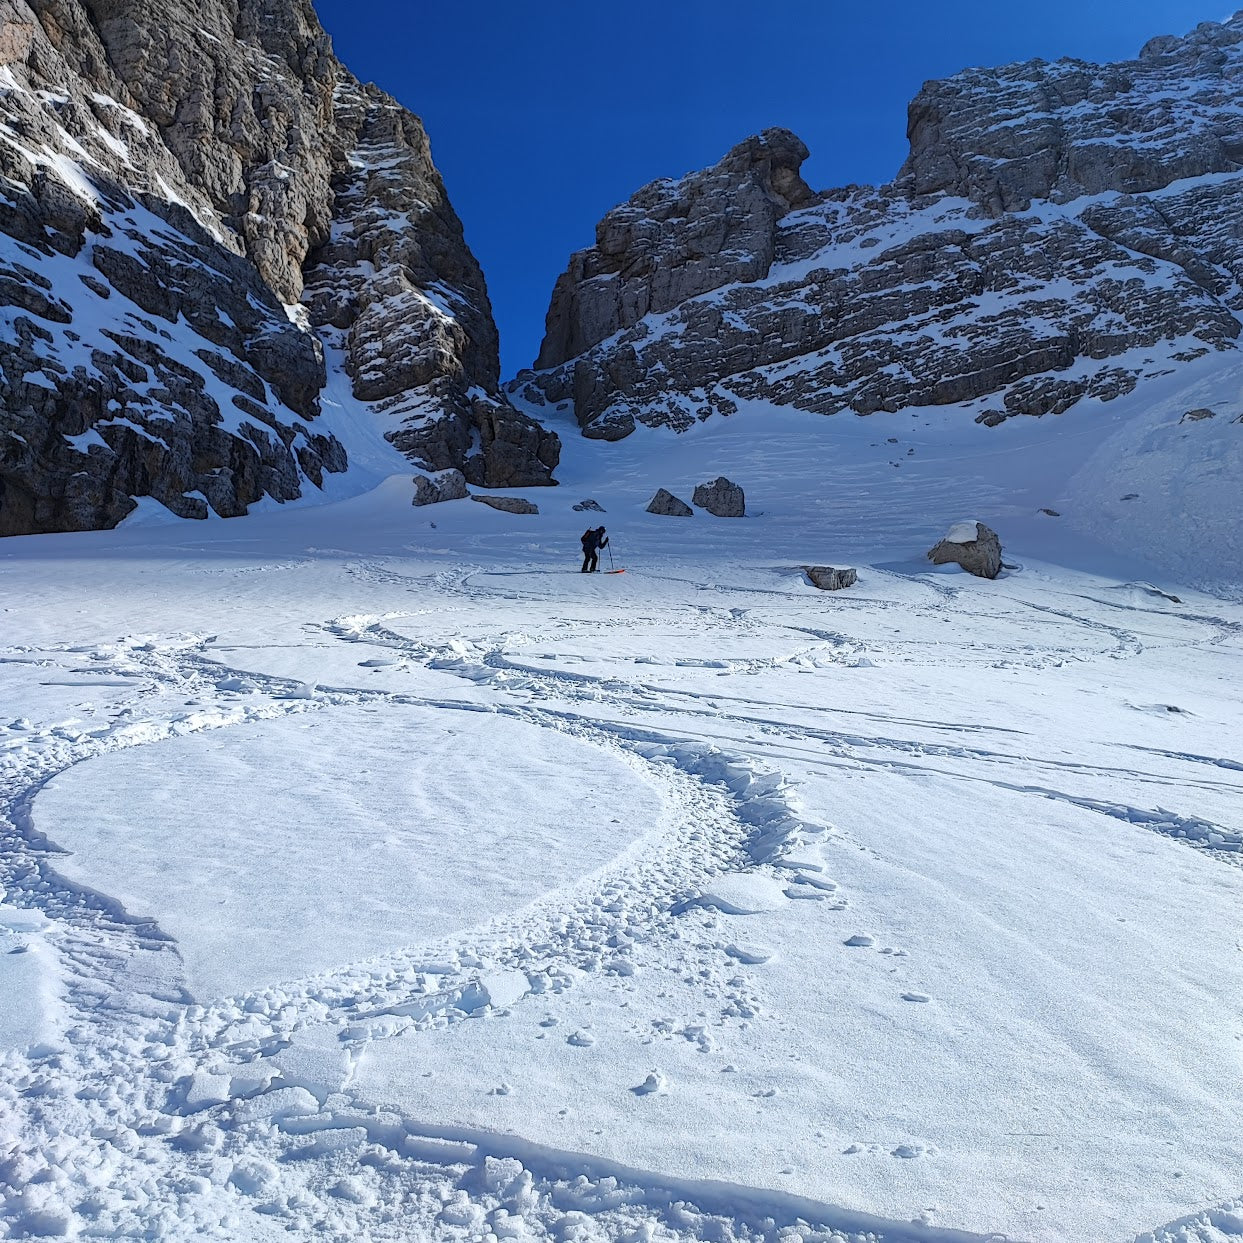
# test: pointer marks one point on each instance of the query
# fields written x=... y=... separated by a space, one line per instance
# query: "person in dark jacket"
x=593 y=540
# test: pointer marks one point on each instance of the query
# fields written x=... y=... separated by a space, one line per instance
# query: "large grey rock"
x=828 y=579
x=180 y=176
x=936 y=289
x=971 y=545
x=445 y=485
x=721 y=498
x=509 y=504
x=667 y=505
x=610 y=426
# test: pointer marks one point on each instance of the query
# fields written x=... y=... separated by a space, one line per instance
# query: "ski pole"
x=610 y=547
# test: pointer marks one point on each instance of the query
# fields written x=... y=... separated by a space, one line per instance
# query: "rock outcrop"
x=665 y=505
x=445 y=485
x=1059 y=232
x=973 y=546
x=196 y=199
x=721 y=498
x=396 y=293
x=829 y=579
x=1006 y=137
x=675 y=240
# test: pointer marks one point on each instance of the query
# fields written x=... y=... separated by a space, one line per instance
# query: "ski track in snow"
x=198 y=1129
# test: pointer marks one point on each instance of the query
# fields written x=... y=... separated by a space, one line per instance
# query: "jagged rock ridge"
x=196 y=200
x=1059 y=231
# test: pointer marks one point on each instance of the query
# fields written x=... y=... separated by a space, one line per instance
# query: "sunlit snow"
x=372 y=873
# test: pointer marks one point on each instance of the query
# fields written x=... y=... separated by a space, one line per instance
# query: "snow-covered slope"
x=1134 y=485
x=174 y=180
x=470 y=896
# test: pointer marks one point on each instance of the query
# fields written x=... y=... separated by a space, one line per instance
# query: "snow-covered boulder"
x=721 y=498
x=667 y=505
x=444 y=485
x=971 y=545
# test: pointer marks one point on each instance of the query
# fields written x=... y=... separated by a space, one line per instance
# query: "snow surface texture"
x=690 y=902
x=387 y=839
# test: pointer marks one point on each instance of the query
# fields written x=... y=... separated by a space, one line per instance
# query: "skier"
x=593 y=540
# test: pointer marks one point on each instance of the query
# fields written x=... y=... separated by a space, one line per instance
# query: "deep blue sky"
x=544 y=115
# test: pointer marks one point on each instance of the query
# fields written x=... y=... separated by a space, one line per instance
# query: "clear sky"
x=544 y=115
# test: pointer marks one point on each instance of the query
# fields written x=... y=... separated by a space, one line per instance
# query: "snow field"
x=917 y=920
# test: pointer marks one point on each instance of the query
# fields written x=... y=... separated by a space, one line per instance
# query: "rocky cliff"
x=197 y=202
x=1059 y=231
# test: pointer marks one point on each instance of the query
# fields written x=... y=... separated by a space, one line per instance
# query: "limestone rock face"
x=397 y=295
x=141 y=353
x=971 y=545
x=721 y=498
x=1005 y=137
x=1053 y=237
x=665 y=504
x=675 y=240
x=174 y=180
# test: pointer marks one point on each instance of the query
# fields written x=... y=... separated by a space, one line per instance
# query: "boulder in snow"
x=971 y=545
x=594 y=506
x=828 y=579
x=510 y=504
x=667 y=505
x=721 y=498
x=444 y=485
